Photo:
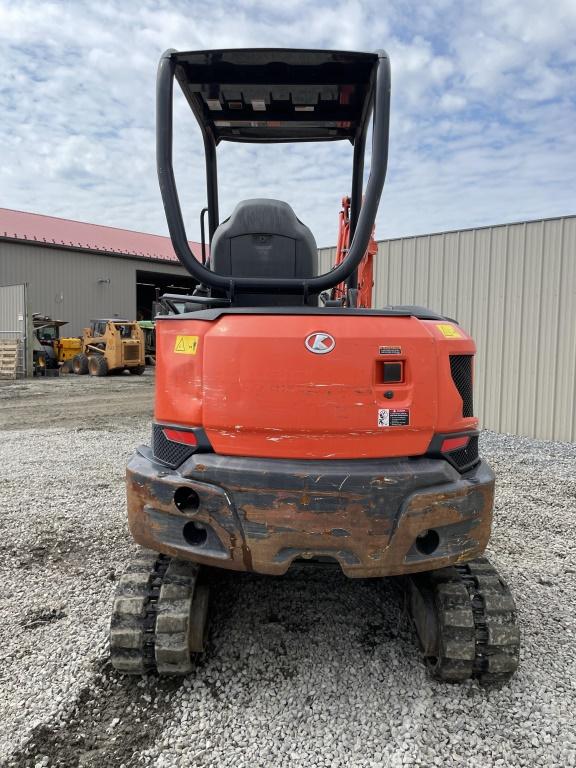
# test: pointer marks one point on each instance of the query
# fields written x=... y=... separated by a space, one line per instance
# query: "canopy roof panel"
x=278 y=94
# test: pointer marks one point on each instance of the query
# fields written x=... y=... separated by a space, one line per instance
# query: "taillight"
x=454 y=443
x=181 y=436
x=173 y=445
x=460 y=450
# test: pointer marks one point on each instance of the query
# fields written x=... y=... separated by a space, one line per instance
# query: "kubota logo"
x=320 y=343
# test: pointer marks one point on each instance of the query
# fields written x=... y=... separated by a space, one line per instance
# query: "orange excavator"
x=292 y=420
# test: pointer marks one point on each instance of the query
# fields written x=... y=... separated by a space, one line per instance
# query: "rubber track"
x=478 y=636
x=173 y=619
x=151 y=616
x=494 y=612
x=455 y=660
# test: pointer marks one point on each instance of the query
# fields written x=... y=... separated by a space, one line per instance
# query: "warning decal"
x=186 y=345
x=393 y=417
x=449 y=331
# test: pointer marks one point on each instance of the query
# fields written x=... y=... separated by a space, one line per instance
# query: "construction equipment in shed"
x=111 y=346
x=52 y=354
x=149 y=331
x=290 y=424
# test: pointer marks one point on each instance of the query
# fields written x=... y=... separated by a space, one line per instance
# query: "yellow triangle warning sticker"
x=186 y=345
x=449 y=332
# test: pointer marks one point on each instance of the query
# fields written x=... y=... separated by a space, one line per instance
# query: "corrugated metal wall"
x=513 y=287
x=67 y=285
x=13 y=311
x=14 y=323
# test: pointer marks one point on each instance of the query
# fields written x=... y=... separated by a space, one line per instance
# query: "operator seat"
x=264 y=238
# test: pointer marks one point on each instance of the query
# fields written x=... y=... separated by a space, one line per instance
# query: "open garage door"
x=151 y=285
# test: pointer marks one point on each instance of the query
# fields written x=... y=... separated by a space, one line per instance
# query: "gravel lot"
x=306 y=670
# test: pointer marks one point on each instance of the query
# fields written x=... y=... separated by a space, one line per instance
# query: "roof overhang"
x=275 y=95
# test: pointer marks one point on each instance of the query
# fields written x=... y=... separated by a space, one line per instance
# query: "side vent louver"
x=461 y=369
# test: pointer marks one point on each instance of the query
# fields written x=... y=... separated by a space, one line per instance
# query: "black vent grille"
x=167 y=451
x=461 y=368
x=464 y=458
x=131 y=351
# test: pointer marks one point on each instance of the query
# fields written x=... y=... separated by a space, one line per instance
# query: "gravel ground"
x=306 y=670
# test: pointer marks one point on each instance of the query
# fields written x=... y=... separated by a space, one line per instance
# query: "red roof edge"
x=80 y=235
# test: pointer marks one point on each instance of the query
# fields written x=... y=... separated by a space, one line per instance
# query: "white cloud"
x=451 y=102
x=482 y=110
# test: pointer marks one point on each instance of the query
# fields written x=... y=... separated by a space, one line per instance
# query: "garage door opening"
x=151 y=285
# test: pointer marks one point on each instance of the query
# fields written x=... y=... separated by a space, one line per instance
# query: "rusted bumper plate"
x=371 y=516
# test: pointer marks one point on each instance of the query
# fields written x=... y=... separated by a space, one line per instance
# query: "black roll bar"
x=366 y=217
x=356 y=196
x=203 y=212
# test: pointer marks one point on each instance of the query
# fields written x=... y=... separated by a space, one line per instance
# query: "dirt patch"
x=75 y=401
x=111 y=720
x=53 y=549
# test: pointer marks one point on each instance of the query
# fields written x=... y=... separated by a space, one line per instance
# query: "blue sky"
x=482 y=124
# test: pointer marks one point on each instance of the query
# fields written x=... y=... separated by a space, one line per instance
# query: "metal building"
x=513 y=287
x=77 y=272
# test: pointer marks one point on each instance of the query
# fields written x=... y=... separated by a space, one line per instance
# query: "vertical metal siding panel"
x=386 y=296
x=436 y=277
x=11 y=307
x=422 y=271
x=326 y=257
x=565 y=394
x=389 y=274
x=378 y=280
x=465 y=289
x=496 y=322
x=331 y=259
x=564 y=374
x=531 y=313
x=377 y=273
x=15 y=324
x=408 y=270
x=450 y=274
x=511 y=342
x=548 y=330
x=394 y=292
x=479 y=323
x=381 y=281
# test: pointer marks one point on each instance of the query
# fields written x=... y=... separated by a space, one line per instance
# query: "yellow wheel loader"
x=111 y=346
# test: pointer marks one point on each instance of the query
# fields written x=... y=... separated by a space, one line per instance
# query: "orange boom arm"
x=365 y=270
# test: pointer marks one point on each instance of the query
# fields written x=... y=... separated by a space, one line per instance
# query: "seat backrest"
x=264 y=238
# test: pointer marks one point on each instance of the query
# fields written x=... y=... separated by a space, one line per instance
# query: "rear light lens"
x=181 y=436
x=454 y=443
x=459 y=449
x=173 y=445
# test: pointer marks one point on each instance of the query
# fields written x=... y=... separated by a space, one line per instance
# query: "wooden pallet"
x=9 y=354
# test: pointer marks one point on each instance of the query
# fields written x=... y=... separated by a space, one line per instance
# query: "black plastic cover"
x=277 y=94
